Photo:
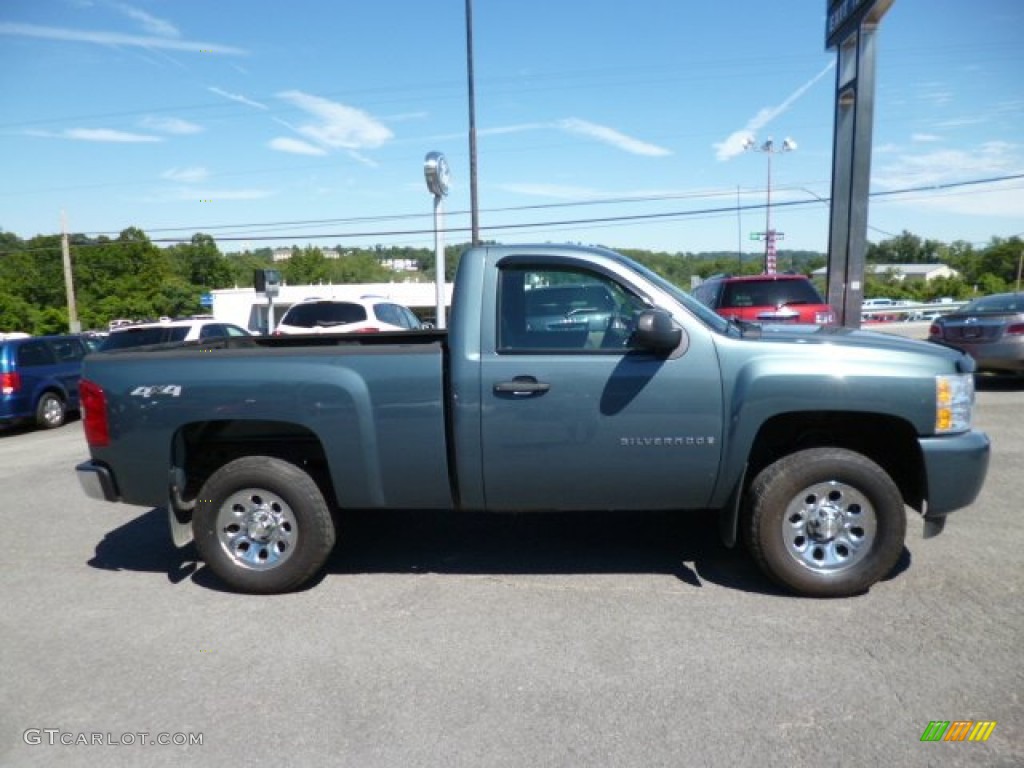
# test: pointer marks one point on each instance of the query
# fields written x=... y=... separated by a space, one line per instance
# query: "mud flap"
x=933 y=526
x=180 y=523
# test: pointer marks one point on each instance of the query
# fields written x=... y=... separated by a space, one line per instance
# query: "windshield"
x=703 y=313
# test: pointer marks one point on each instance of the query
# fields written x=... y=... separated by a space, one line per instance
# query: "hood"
x=849 y=337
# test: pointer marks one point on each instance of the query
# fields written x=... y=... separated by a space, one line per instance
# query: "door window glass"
x=563 y=310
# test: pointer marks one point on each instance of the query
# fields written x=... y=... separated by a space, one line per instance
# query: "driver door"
x=573 y=418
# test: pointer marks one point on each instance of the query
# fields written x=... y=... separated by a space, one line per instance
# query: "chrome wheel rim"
x=257 y=529
x=52 y=411
x=829 y=527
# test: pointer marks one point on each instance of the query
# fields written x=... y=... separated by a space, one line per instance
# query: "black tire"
x=825 y=522
x=50 y=411
x=262 y=525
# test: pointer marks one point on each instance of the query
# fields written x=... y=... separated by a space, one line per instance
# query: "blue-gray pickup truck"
x=570 y=379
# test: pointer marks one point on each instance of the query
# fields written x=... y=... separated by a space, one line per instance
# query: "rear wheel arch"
x=200 y=449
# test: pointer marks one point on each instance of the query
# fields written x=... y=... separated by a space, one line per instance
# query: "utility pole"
x=74 y=326
x=473 y=205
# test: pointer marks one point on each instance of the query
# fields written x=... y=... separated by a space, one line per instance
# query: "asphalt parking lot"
x=438 y=640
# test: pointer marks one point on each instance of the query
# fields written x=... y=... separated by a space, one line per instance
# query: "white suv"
x=367 y=314
x=198 y=328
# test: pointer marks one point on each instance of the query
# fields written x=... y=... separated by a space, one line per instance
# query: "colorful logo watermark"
x=958 y=730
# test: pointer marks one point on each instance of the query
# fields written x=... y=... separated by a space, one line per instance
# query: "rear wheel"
x=50 y=411
x=825 y=522
x=262 y=525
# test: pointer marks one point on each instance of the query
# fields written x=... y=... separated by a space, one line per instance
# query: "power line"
x=729 y=210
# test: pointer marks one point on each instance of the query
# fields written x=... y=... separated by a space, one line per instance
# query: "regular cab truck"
x=570 y=379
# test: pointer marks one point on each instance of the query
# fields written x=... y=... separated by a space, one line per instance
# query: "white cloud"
x=192 y=175
x=994 y=158
x=237 y=97
x=173 y=125
x=295 y=146
x=404 y=117
x=611 y=137
x=114 y=38
x=150 y=23
x=337 y=125
x=924 y=138
x=97 y=134
x=962 y=122
x=359 y=157
x=505 y=129
x=735 y=143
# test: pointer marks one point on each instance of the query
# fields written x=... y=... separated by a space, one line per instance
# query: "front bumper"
x=97 y=481
x=955 y=467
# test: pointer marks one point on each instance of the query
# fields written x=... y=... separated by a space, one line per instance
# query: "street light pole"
x=770 y=235
x=438 y=176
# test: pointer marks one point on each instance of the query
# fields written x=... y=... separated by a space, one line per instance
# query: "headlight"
x=954 y=401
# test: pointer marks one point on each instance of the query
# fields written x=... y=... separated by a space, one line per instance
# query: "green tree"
x=306 y=266
x=15 y=313
x=200 y=263
x=905 y=248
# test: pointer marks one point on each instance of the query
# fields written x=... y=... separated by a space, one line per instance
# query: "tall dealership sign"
x=851 y=29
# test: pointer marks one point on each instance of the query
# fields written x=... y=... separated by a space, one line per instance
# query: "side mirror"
x=656 y=331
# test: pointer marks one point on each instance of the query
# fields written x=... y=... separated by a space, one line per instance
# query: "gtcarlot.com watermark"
x=55 y=737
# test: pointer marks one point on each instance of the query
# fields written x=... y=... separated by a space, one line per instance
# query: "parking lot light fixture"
x=770 y=235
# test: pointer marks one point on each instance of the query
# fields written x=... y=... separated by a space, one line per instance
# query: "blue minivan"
x=39 y=378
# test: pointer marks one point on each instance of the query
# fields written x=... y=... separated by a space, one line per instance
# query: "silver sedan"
x=989 y=329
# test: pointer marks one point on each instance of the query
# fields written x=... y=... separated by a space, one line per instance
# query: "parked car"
x=169 y=331
x=989 y=329
x=872 y=310
x=39 y=378
x=775 y=298
x=367 y=314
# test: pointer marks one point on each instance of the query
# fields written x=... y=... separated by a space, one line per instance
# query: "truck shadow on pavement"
x=682 y=545
x=997 y=383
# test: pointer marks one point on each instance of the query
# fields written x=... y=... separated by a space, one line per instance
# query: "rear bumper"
x=955 y=467
x=97 y=481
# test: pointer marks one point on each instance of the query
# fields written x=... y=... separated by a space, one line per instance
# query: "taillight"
x=935 y=330
x=366 y=330
x=1017 y=329
x=94 y=413
x=9 y=383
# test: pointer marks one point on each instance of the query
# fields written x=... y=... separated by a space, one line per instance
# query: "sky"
x=622 y=124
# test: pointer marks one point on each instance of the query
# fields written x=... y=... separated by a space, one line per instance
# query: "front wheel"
x=825 y=522
x=262 y=525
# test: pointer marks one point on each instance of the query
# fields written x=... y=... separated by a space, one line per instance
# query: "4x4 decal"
x=170 y=390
